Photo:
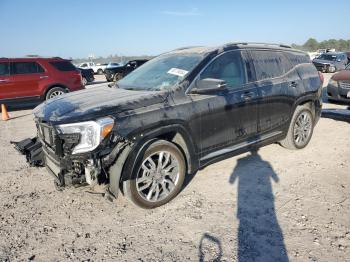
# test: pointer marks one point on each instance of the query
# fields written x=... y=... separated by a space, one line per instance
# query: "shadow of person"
x=260 y=237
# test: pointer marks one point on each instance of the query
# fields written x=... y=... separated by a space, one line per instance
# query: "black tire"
x=117 y=77
x=99 y=71
x=131 y=187
x=55 y=91
x=85 y=81
x=291 y=140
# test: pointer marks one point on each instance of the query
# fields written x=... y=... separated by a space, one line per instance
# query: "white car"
x=98 y=69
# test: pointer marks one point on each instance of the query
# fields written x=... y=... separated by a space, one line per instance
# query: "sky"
x=78 y=28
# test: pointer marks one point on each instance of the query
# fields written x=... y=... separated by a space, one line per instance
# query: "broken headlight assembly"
x=91 y=133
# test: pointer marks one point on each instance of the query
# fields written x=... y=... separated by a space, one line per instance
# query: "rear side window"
x=269 y=64
x=227 y=67
x=25 y=68
x=296 y=58
x=63 y=66
x=4 y=68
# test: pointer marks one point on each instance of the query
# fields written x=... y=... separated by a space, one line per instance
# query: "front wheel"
x=331 y=69
x=158 y=177
x=300 y=130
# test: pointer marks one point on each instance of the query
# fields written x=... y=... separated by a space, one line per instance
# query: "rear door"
x=25 y=76
x=275 y=102
x=5 y=83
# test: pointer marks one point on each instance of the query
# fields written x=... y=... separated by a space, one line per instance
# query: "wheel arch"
x=175 y=134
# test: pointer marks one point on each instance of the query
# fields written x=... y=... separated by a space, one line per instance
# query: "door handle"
x=293 y=84
x=247 y=95
x=43 y=77
x=4 y=80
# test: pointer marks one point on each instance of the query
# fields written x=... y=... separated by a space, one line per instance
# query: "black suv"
x=177 y=113
x=116 y=73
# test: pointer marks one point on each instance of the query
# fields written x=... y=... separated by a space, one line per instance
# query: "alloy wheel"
x=56 y=93
x=302 y=128
x=158 y=176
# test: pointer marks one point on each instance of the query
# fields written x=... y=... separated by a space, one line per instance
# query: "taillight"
x=321 y=76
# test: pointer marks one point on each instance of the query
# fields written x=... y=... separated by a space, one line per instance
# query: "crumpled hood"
x=322 y=61
x=92 y=103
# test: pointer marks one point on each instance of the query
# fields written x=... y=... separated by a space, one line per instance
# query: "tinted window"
x=26 y=68
x=227 y=67
x=269 y=64
x=4 y=68
x=296 y=58
x=63 y=65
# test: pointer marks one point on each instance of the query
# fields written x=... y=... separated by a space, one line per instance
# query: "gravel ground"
x=277 y=205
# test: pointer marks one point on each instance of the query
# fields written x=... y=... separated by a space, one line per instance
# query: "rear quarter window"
x=63 y=66
x=296 y=58
x=269 y=64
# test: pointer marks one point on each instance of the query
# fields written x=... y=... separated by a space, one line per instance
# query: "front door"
x=227 y=117
x=5 y=83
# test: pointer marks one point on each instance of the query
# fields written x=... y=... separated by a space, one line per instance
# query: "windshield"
x=327 y=57
x=162 y=72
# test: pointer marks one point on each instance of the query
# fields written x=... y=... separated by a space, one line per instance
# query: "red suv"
x=36 y=79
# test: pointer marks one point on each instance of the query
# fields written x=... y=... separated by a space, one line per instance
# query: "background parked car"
x=98 y=69
x=117 y=73
x=87 y=75
x=339 y=86
x=113 y=64
x=36 y=79
x=331 y=62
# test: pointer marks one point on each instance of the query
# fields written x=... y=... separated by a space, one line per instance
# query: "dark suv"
x=178 y=113
x=33 y=79
x=331 y=62
x=115 y=73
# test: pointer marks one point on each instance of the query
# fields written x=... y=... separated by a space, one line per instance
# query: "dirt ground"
x=278 y=205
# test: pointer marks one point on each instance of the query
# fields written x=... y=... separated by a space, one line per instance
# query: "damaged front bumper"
x=101 y=166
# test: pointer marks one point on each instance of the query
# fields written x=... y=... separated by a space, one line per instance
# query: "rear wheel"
x=117 y=77
x=158 y=177
x=84 y=81
x=54 y=92
x=100 y=71
x=300 y=130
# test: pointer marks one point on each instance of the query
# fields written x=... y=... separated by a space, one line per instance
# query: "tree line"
x=312 y=45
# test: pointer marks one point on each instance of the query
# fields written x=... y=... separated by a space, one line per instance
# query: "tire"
x=151 y=187
x=117 y=77
x=99 y=71
x=55 y=91
x=300 y=130
x=84 y=81
x=331 y=69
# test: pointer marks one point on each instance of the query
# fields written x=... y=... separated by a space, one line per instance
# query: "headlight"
x=333 y=82
x=91 y=133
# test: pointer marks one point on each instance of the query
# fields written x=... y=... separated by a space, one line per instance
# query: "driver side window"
x=227 y=67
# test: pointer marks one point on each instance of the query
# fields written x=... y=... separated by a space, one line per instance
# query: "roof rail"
x=257 y=43
x=186 y=47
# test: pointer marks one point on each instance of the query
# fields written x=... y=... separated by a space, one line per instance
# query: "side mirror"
x=208 y=85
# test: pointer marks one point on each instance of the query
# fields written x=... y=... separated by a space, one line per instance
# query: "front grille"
x=344 y=84
x=46 y=134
